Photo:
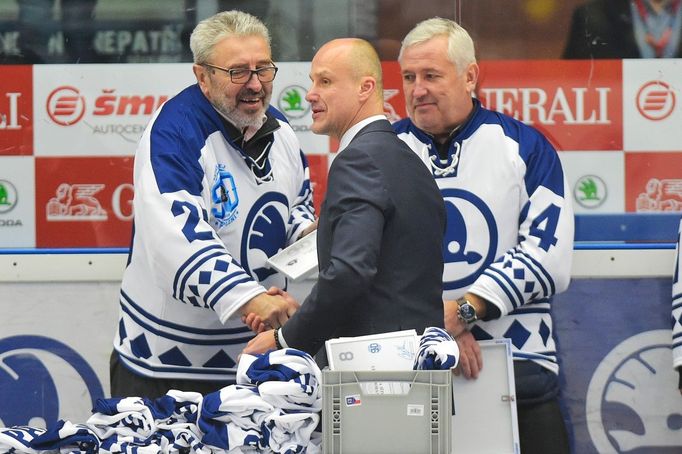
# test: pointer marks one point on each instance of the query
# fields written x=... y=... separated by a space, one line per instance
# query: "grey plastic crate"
x=367 y=412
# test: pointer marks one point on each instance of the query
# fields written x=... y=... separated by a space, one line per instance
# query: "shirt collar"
x=353 y=130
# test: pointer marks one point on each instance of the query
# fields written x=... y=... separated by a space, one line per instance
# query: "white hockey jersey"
x=677 y=305
x=509 y=235
x=204 y=227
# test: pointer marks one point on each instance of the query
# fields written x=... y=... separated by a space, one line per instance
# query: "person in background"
x=381 y=225
x=677 y=310
x=221 y=185
x=626 y=29
x=509 y=238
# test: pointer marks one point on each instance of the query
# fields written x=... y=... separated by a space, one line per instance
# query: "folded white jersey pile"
x=274 y=408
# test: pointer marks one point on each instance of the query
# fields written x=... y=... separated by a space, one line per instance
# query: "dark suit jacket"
x=379 y=245
x=604 y=29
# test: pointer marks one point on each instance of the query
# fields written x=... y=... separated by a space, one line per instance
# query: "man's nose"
x=254 y=82
x=418 y=89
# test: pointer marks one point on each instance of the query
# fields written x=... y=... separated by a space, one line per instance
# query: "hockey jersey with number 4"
x=509 y=236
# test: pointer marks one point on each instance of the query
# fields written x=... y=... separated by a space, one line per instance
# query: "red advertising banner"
x=577 y=105
x=653 y=182
x=16 y=111
x=84 y=202
x=394 y=99
x=318 y=164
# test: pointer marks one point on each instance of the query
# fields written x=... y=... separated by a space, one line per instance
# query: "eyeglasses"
x=243 y=75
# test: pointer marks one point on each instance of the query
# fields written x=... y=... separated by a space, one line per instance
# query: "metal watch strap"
x=466 y=311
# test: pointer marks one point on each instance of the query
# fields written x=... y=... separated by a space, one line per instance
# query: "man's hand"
x=470 y=358
x=271 y=309
x=453 y=324
x=262 y=343
x=308 y=229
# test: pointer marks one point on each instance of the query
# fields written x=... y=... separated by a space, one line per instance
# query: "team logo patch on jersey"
x=224 y=197
x=471 y=238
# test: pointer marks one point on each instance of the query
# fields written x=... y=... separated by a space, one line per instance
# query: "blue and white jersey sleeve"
x=539 y=265
x=677 y=305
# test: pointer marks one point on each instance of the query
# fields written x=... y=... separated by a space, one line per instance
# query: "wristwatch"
x=466 y=311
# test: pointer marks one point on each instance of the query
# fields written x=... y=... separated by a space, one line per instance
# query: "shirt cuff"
x=282 y=341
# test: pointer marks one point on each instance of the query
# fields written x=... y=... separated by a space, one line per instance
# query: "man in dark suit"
x=625 y=29
x=380 y=232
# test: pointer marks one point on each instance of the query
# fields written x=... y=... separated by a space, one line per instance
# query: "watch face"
x=467 y=312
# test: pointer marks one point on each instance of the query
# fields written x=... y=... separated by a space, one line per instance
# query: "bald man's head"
x=357 y=56
x=346 y=86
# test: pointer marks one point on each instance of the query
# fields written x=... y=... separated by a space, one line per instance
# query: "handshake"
x=268 y=310
x=265 y=312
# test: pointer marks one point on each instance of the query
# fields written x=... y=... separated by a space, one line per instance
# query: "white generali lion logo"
x=637 y=379
x=661 y=195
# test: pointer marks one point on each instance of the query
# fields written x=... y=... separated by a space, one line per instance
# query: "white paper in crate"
x=298 y=260
x=386 y=351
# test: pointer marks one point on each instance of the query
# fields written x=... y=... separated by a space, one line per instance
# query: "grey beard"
x=242 y=120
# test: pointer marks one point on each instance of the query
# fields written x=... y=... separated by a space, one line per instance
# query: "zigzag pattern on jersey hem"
x=141 y=313
x=196 y=373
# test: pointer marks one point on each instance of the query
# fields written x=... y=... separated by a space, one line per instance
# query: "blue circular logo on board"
x=33 y=372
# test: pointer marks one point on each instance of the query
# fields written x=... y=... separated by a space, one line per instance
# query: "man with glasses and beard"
x=220 y=185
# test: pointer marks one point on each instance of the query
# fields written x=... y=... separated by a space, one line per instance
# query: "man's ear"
x=472 y=76
x=201 y=74
x=367 y=87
